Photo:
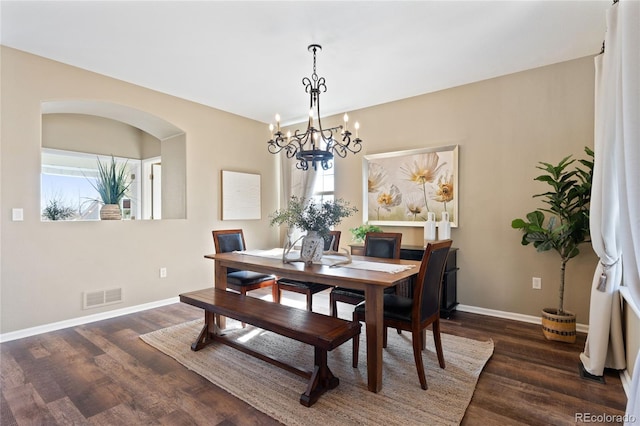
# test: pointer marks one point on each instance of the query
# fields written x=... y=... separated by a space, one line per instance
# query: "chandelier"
x=316 y=145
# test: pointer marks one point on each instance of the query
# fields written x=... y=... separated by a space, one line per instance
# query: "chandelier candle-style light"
x=315 y=145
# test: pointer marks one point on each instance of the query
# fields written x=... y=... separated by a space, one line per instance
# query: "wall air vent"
x=94 y=299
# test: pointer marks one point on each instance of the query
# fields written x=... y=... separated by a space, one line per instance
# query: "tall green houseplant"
x=567 y=203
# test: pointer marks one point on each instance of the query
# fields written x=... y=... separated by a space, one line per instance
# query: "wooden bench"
x=323 y=332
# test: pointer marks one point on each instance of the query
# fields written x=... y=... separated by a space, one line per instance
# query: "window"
x=324 y=188
x=67 y=186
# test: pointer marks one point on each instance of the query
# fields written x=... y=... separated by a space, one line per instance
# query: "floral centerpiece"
x=316 y=218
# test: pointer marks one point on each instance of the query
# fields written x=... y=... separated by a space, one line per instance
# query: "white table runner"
x=330 y=260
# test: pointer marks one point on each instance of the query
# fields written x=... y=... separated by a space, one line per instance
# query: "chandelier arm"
x=344 y=147
x=276 y=144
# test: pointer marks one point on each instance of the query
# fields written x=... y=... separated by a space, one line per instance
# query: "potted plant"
x=56 y=209
x=360 y=232
x=112 y=184
x=567 y=202
x=316 y=218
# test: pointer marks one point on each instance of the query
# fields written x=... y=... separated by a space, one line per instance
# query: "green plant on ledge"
x=568 y=205
x=309 y=215
x=57 y=210
x=360 y=232
x=112 y=182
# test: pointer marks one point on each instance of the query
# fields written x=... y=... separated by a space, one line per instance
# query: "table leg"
x=373 y=320
x=220 y=272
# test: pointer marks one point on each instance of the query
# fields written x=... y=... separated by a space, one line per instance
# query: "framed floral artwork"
x=401 y=187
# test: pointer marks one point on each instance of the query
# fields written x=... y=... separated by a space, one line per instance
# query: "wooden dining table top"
x=320 y=273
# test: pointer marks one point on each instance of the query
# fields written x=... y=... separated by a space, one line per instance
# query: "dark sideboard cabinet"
x=449 y=296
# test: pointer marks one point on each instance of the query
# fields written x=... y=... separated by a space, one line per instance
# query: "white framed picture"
x=240 y=196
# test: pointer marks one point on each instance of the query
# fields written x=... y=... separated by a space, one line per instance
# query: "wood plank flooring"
x=103 y=374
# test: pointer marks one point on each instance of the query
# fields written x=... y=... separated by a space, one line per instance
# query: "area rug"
x=276 y=392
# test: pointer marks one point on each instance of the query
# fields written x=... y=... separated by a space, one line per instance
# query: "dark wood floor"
x=102 y=373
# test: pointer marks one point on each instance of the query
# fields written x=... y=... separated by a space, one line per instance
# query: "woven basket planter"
x=110 y=212
x=561 y=328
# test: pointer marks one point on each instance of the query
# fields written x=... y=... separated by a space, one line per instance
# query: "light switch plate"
x=17 y=215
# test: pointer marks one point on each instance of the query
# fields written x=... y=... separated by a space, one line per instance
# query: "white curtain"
x=295 y=182
x=615 y=197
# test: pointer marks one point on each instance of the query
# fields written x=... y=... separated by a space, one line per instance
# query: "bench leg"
x=322 y=379
x=206 y=336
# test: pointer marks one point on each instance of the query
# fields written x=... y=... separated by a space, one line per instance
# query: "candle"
x=278 y=121
x=357 y=126
x=346 y=121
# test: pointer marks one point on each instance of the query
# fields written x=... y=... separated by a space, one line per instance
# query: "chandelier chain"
x=314 y=75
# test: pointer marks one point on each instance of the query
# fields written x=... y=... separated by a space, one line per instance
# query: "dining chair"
x=332 y=242
x=229 y=240
x=415 y=313
x=376 y=244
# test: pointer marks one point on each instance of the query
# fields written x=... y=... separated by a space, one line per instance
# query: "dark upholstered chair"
x=376 y=244
x=417 y=313
x=308 y=288
x=241 y=281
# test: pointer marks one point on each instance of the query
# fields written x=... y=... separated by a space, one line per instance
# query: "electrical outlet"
x=163 y=272
x=536 y=283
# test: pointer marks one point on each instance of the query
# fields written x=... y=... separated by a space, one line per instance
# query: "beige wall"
x=174 y=175
x=45 y=266
x=97 y=135
x=503 y=126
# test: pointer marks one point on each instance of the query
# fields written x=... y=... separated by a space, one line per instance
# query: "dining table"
x=370 y=274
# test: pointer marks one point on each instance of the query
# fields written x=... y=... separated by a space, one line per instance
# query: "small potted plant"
x=316 y=218
x=361 y=231
x=112 y=184
x=56 y=209
x=567 y=227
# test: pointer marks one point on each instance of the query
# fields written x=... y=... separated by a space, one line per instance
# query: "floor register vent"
x=94 y=299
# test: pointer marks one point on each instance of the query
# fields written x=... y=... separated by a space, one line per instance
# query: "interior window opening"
x=68 y=190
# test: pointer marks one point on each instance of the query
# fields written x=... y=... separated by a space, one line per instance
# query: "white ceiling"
x=249 y=58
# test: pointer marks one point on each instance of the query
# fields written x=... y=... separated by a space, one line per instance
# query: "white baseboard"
x=625 y=378
x=19 y=334
x=582 y=328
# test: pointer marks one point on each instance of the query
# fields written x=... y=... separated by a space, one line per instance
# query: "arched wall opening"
x=75 y=132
